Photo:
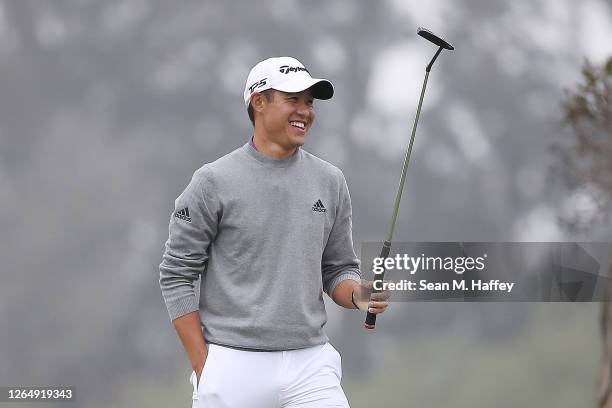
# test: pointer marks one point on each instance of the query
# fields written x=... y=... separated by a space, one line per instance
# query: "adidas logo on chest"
x=319 y=207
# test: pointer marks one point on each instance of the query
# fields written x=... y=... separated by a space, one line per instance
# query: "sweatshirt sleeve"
x=339 y=260
x=193 y=226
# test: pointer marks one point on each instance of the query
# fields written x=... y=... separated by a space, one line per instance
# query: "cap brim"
x=321 y=88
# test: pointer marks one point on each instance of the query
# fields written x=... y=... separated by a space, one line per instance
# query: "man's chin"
x=298 y=141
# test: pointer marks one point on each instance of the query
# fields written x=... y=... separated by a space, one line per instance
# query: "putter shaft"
x=370 y=321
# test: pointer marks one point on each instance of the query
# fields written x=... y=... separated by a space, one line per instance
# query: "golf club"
x=370 y=321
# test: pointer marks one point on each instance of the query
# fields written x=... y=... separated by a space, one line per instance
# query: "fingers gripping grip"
x=370 y=321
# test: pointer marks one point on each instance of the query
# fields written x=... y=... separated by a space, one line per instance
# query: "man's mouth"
x=299 y=125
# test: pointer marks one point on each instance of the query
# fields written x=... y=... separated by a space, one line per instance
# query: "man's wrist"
x=353 y=299
x=198 y=363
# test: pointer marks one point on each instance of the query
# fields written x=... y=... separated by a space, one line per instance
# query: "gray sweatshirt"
x=267 y=237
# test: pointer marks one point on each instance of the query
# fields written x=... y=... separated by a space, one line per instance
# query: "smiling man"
x=268 y=229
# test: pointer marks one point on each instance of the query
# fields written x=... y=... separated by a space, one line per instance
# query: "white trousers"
x=307 y=378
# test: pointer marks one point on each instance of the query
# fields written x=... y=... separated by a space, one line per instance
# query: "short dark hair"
x=268 y=93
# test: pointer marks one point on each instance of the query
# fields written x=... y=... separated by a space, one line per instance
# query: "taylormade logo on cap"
x=285 y=74
x=285 y=69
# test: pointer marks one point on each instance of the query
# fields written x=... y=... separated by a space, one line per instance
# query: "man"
x=268 y=229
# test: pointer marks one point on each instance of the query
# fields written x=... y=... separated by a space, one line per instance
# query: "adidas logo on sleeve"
x=319 y=207
x=183 y=214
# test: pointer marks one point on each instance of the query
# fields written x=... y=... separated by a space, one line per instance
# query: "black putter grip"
x=370 y=321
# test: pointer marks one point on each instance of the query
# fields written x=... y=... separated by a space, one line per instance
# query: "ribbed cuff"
x=349 y=274
x=182 y=306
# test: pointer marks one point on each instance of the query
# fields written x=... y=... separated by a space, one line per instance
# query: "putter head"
x=439 y=41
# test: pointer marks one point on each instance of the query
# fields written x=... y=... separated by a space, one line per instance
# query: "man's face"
x=287 y=117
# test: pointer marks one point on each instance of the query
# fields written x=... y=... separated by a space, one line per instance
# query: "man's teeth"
x=298 y=124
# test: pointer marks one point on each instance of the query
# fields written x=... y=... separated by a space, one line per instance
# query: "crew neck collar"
x=250 y=149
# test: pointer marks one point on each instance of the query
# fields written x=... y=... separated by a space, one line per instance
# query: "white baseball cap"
x=285 y=74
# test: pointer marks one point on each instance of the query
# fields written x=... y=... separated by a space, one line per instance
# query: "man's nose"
x=303 y=108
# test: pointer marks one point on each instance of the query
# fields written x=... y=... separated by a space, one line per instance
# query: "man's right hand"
x=189 y=330
x=198 y=368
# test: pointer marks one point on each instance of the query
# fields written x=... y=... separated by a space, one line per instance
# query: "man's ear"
x=257 y=102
